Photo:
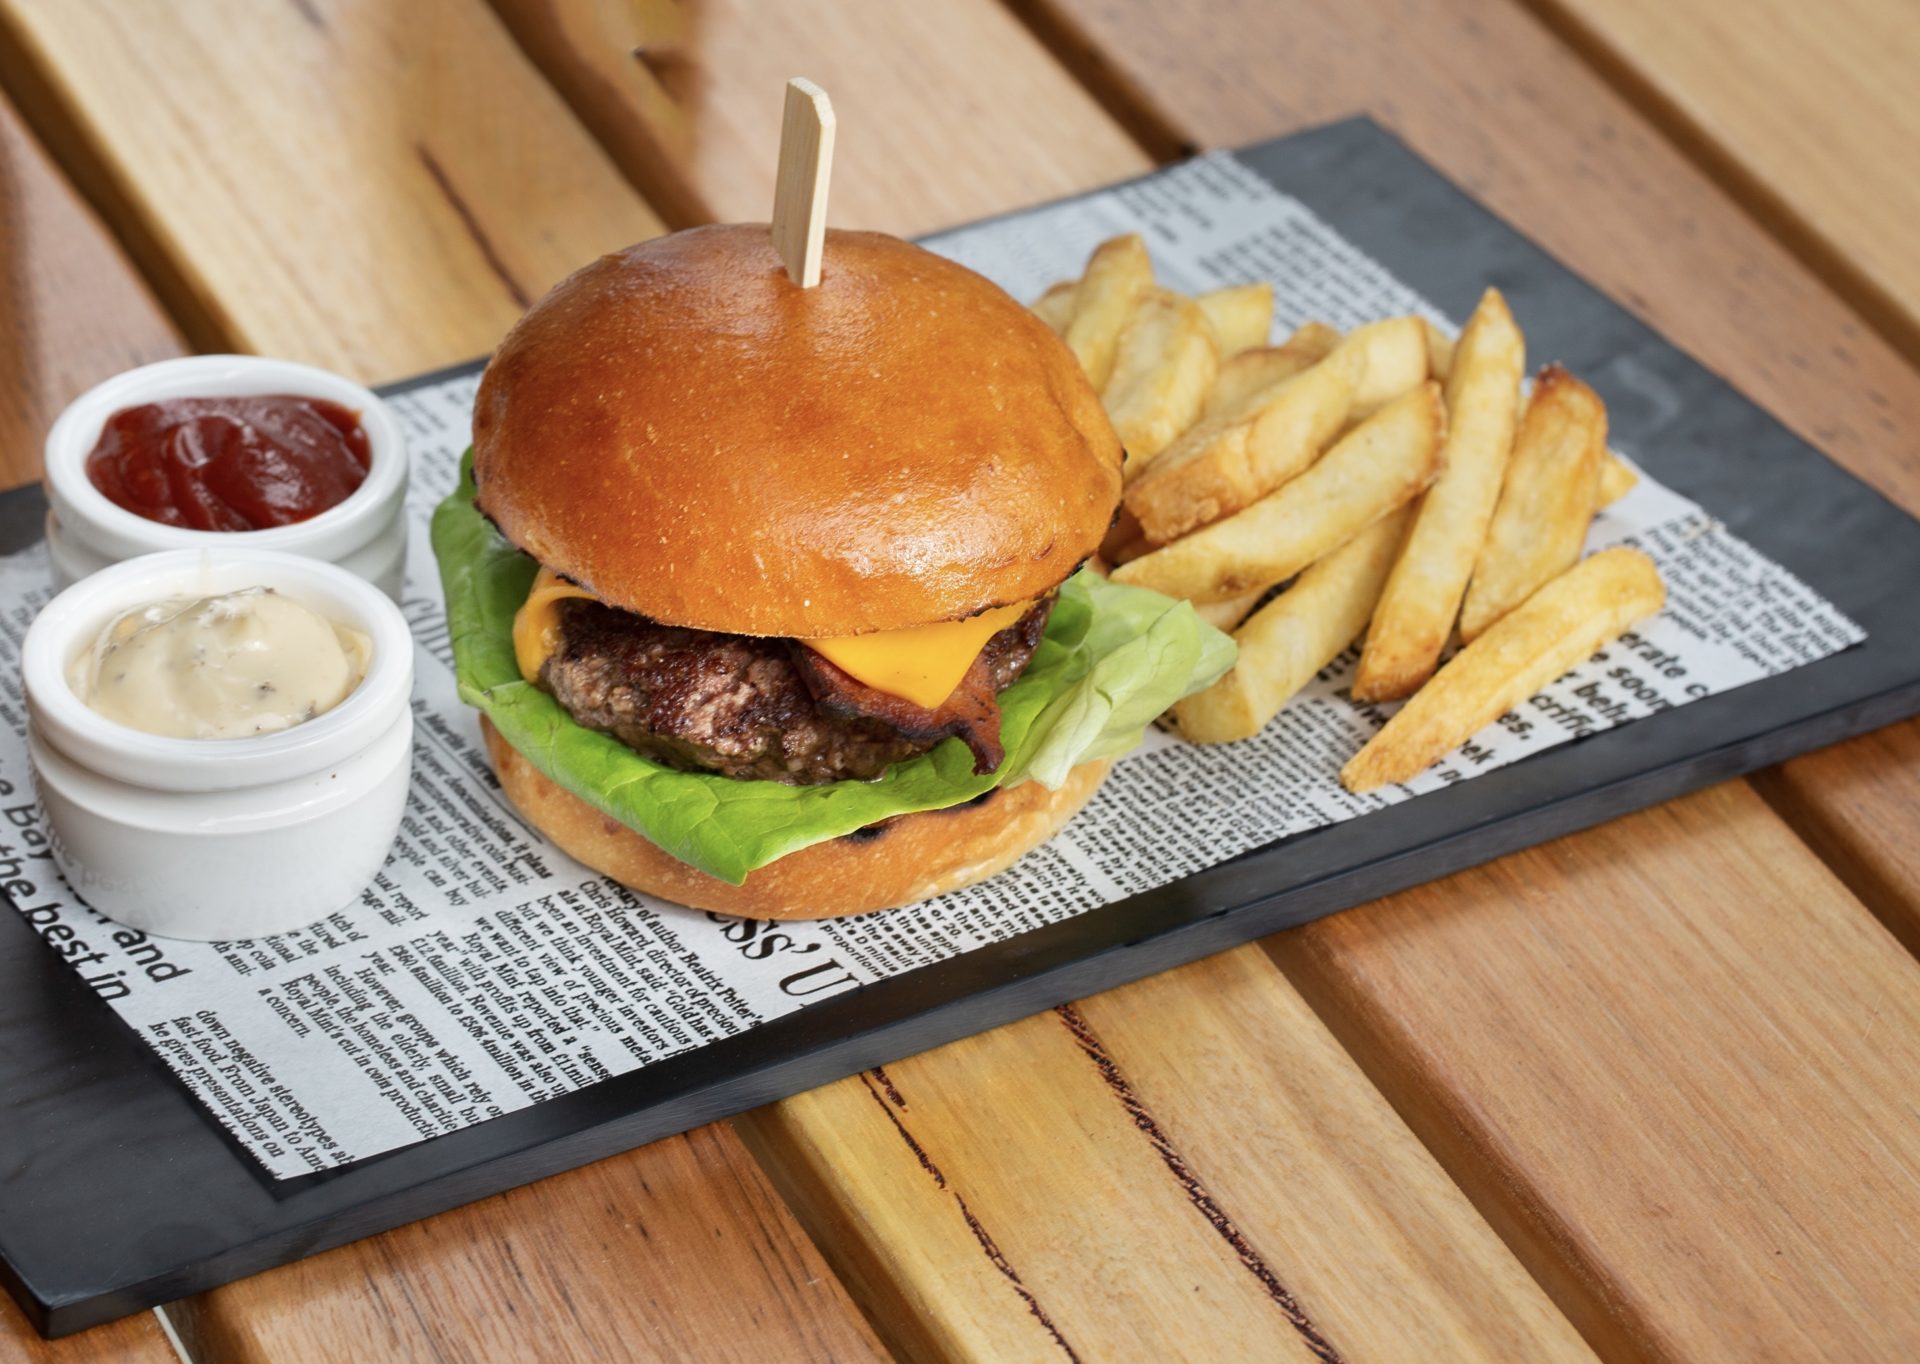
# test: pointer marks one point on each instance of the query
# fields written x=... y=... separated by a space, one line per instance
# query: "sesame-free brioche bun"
x=900 y=862
x=684 y=431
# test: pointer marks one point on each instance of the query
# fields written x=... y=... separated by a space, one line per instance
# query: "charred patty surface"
x=736 y=704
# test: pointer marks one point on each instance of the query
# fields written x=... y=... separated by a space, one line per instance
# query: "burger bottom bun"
x=905 y=860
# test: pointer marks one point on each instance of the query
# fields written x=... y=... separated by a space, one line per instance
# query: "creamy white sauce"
x=226 y=667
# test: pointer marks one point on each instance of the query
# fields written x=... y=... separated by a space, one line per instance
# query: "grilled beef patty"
x=768 y=709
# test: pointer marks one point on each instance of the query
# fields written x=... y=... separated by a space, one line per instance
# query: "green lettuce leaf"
x=1112 y=659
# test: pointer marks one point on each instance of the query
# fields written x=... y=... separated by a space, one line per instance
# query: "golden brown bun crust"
x=693 y=437
x=911 y=858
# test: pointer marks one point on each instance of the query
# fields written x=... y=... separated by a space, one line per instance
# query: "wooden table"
x=1645 y=1092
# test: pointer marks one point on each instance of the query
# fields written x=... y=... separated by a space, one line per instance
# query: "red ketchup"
x=231 y=463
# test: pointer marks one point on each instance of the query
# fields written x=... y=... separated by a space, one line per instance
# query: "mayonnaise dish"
x=254 y=661
x=221 y=739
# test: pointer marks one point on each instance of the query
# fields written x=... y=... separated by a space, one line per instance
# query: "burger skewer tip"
x=800 y=186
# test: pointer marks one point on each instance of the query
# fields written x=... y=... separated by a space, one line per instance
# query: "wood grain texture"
x=1615 y=930
x=1858 y=806
x=136 y=1340
x=72 y=311
x=1188 y=1167
x=378 y=188
x=1805 y=112
x=1807 y=115
x=1490 y=97
x=677 y=1251
x=1686 y=1092
x=947 y=112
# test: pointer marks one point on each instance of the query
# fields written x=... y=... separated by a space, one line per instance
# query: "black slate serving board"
x=118 y=1191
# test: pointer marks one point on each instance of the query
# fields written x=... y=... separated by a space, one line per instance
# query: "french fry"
x=1617 y=479
x=1396 y=362
x=1294 y=636
x=1439 y=351
x=1055 y=306
x=1546 y=503
x=1559 y=625
x=1242 y=316
x=1251 y=373
x=1163 y=367
x=1223 y=465
x=1381 y=464
x=1422 y=596
x=1224 y=615
x=1118 y=274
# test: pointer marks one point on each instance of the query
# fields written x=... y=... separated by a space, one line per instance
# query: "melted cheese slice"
x=922 y=664
x=536 y=625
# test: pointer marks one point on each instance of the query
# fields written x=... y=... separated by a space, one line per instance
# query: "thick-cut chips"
x=1118 y=275
x=1242 y=315
x=1381 y=464
x=1055 y=306
x=1546 y=502
x=1616 y=480
x=1162 y=369
x=1559 y=625
x=1225 y=464
x=1224 y=615
x=1228 y=494
x=1294 y=636
x=1439 y=351
x=1397 y=362
x=1422 y=597
x=1251 y=373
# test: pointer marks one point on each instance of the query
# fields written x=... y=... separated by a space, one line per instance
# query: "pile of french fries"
x=1392 y=482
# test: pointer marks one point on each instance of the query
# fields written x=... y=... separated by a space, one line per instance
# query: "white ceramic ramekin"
x=220 y=839
x=366 y=534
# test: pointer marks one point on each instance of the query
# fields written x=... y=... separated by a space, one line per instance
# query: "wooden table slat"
x=681 y=1244
x=1856 y=805
x=947 y=112
x=1805 y=112
x=378 y=188
x=1489 y=1005
x=680 y=1250
x=1689 y=1104
x=134 y=1340
x=72 y=311
x=1187 y=1167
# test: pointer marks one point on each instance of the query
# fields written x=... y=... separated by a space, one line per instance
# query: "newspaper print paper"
x=484 y=971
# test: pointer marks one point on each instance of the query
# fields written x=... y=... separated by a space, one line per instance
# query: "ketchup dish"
x=231 y=463
x=221 y=738
x=235 y=451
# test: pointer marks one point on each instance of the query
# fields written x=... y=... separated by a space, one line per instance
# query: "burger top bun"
x=683 y=431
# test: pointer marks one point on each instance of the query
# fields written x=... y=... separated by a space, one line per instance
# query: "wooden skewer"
x=800 y=189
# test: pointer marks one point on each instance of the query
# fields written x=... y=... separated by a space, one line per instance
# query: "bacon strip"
x=972 y=712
